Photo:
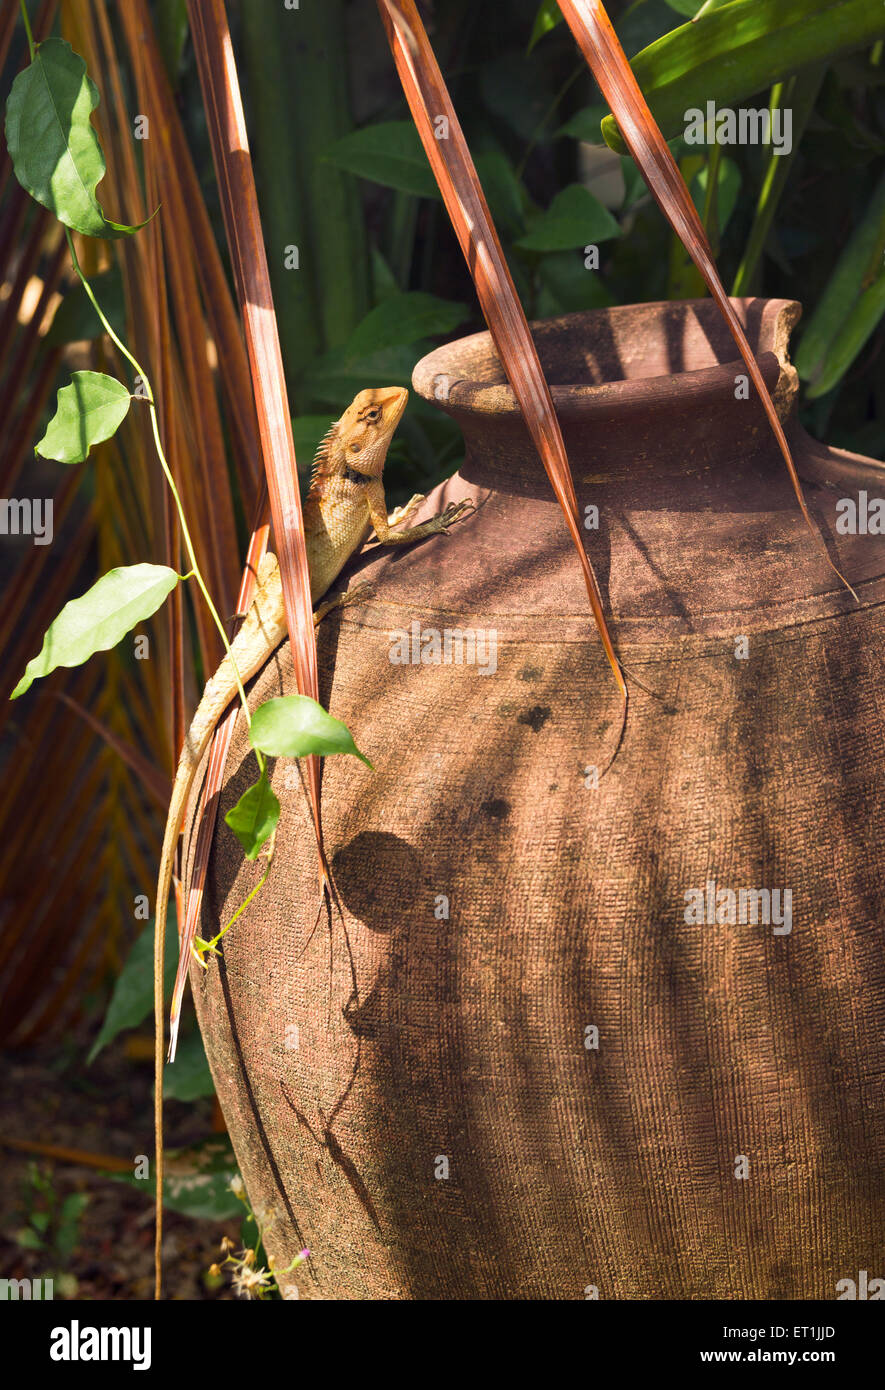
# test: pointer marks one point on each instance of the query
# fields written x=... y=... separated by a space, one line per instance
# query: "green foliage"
x=389 y=153
x=736 y=51
x=548 y=16
x=847 y=310
x=132 y=1000
x=574 y=218
x=97 y=620
x=76 y=318
x=294 y=726
x=52 y=1226
x=89 y=411
x=54 y=150
x=254 y=818
x=197 y=1181
x=728 y=182
x=403 y=318
x=189 y=1078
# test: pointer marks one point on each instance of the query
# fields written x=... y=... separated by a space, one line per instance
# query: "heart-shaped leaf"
x=88 y=411
x=574 y=218
x=97 y=620
x=294 y=726
x=254 y=818
x=54 y=149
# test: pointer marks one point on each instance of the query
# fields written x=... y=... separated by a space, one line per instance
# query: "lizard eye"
x=354 y=448
x=372 y=415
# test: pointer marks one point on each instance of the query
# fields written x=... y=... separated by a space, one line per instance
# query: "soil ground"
x=49 y=1096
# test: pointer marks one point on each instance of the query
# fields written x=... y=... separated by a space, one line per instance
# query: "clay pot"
x=519 y=1062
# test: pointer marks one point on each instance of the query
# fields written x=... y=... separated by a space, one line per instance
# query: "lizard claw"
x=400 y=514
x=456 y=511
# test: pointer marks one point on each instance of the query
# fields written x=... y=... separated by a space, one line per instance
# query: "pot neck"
x=645 y=422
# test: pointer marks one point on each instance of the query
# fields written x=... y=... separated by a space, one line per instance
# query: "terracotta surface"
x=421 y=1038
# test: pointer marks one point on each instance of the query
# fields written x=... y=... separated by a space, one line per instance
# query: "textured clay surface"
x=409 y=1081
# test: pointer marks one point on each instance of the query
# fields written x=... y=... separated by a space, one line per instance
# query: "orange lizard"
x=345 y=504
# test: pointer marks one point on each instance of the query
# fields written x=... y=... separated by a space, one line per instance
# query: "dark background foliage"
x=345 y=190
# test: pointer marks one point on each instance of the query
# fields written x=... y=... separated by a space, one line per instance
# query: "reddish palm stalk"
x=606 y=59
x=239 y=203
x=468 y=211
x=208 y=811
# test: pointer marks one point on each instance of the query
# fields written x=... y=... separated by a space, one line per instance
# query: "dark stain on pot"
x=536 y=717
x=497 y=810
x=531 y=673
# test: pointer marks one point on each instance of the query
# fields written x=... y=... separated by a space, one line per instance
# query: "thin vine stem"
x=32 y=47
x=213 y=944
x=185 y=532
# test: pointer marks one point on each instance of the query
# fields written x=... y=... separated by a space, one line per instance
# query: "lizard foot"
x=401 y=514
x=358 y=594
x=455 y=511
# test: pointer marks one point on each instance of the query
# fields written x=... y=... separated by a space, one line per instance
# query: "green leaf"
x=574 y=218
x=75 y=318
x=687 y=7
x=520 y=91
x=585 y=125
x=87 y=412
x=188 y=1077
x=54 y=149
x=132 y=999
x=196 y=1182
x=170 y=22
x=390 y=153
x=843 y=290
x=293 y=726
x=504 y=192
x=335 y=378
x=68 y=1235
x=635 y=187
x=547 y=18
x=254 y=818
x=566 y=286
x=383 y=279
x=858 y=327
x=728 y=186
x=740 y=49
x=404 y=318
x=97 y=620
x=28 y=1239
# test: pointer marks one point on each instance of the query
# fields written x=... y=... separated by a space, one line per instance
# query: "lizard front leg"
x=401 y=514
x=437 y=525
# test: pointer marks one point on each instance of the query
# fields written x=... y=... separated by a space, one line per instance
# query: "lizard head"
x=366 y=428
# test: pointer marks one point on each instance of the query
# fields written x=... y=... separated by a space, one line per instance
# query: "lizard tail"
x=183 y=779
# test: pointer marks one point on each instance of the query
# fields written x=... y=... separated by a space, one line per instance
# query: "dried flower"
x=249 y=1283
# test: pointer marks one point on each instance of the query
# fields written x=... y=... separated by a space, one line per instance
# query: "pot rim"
x=703 y=384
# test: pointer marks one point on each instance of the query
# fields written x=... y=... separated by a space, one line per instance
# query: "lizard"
x=344 y=504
